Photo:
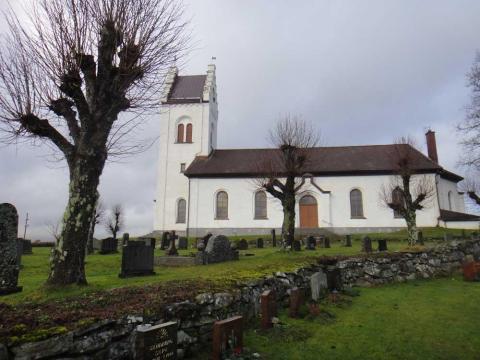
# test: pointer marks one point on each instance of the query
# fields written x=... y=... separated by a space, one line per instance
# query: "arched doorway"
x=308 y=212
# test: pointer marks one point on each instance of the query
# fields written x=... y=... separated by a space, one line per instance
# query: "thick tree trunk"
x=91 y=232
x=68 y=256
x=411 y=219
x=288 y=226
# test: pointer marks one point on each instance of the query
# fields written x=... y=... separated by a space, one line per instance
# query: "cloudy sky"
x=364 y=72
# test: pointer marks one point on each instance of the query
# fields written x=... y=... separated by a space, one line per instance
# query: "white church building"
x=203 y=189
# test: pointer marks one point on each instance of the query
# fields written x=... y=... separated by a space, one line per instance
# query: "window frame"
x=397 y=215
x=180 y=133
x=189 y=133
x=183 y=167
x=177 y=215
x=217 y=194
x=256 y=215
x=362 y=212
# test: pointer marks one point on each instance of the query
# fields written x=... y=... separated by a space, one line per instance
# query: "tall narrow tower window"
x=180 y=132
x=222 y=206
x=189 y=133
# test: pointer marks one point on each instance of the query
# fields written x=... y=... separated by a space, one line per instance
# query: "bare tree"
x=67 y=74
x=114 y=222
x=408 y=191
x=55 y=229
x=471 y=186
x=469 y=128
x=97 y=218
x=282 y=173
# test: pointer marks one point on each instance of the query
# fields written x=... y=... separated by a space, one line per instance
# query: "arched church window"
x=356 y=204
x=450 y=201
x=221 y=206
x=181 y=211
x=260 y=205
x=189 y=133
x=180 y=132
x=397 y=198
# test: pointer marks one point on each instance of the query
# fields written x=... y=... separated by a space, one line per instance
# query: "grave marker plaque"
x=259 y=243
x=274 y=238
x=268 y=305
x=242 y=245
x=182 y=243
x=296 y=245
x=9 y=266
x=348 y=240
x=137 y=259
x=108 y=246
x=296 y=300
x=157 y=342
x=311 y=243
x=420 y=238
x=382 y=245
x=227 y=335
x=326 y=243
x=318 y=285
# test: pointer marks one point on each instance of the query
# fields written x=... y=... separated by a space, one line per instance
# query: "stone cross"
x=9 y=266
x=227 y=335
x=172 y=250
x=296 y=300
x=268 y=306
x=367 y=244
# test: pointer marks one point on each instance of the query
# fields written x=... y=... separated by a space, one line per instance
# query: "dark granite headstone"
x=108 y=246
x=19 y=251
x=218 y=250
x=321 y=241
x=348 y=240
x=310 y=243
x=137 y=259
x=27 y=247
x=382 y=245
x=326 y=243
x=268 y=306
x=156 y=342
x=182 y=243
x=367 y=244
x=274 y=238
x=125 y=238
x=259 y=243
x=242 y=245
x=296 y=300
x=296 y=245
x=9 y=266
x=420 y=238
x=334 y=279
x=227 y=336
x=165 y=243
x=172 y=248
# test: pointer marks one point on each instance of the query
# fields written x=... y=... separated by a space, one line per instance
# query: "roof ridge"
x=316 y=147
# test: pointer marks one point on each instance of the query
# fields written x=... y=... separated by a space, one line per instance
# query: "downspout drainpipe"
x=438 y=198
x=188 y=210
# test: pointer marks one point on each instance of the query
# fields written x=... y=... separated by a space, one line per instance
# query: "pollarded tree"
x=97 y=218
x=282 y=175
x=408 y=191
x=66 y=74
x=472 y=188
x=114 y=223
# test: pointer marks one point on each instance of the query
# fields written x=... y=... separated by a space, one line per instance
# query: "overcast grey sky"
x=364 y=71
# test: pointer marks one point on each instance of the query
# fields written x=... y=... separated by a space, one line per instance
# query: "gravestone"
x=447 y=236
x=296 y=300
x=125 y=238
x=108 y=246
x=156 y=342
x=367 y=244
x=227 y=336
x=27 y=247
x=348 y=240
x=19 y=251
x=182 y=243
x=149 y=241
x=334 y=279
x=326 y=243
x=242 y=245
x=321 y=241
x=9 y=266
x=274 y=238
x=382 y=245
x=259 y=243
x=172 y=249
x=268 y=308
x=474 y=236
x=137 y=259
x=217 y=250
x=464 y=234
x=318 y=285
x=165 y=240
x=420 y=238
x=206 y=239
x=296 y=245
x=471 y=271
x=311 y=243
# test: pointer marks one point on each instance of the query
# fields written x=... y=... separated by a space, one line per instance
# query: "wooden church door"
x=308 y=212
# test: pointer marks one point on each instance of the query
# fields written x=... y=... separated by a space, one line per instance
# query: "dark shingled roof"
x=187 y=89
x=343 y=160
x=447 y=215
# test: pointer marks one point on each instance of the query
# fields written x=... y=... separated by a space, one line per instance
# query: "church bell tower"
x=188 y=128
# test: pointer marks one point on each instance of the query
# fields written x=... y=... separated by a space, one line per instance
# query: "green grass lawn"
x=102 y=270
x=437 y=319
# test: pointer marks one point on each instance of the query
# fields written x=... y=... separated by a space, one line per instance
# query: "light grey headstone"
x=318 y=284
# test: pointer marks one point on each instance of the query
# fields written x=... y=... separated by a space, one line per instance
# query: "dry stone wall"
x=115 y=339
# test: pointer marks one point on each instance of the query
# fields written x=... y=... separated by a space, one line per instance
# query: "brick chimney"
x=432 y=146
